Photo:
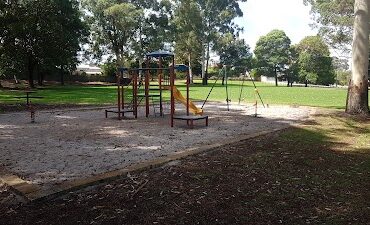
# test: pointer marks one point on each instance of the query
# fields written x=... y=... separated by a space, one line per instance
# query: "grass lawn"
x=100 y=95
x=317 y=173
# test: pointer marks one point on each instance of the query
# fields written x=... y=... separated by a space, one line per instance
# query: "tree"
x=128 y=29
x=188 y=24
x=292 y=70
x=113 y=25
x=234 y=52
x=272 y=53
x=357 y=100
x=42 y=33
x=335 y=19
x=73 y=32
x=339 y=21
x=217 y=18
x=155 y=29
x=341 y=68
x=315 y=63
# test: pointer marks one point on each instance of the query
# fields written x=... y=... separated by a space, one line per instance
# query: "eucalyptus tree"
x=358 y=91
x=155 y=30
x=113 y=24
x=343 y=22
x=217 y=18
x=188 y=33
x=335 y=21
x=272 y=52
x=128 y=29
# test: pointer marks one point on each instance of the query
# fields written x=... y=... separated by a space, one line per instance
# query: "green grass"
x=99 y=95
x=65 y=95
x=321 y=97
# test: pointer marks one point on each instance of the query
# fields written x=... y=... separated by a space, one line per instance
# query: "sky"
x=262 y=16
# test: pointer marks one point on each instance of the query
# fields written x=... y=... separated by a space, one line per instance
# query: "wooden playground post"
x=147 y=80
x=119 y=94
x=134 y=92
x=160 y=74
x=187 y=91
x=122 y=95
x=172 y=85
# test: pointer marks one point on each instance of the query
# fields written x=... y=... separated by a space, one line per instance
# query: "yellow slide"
x=192 y=108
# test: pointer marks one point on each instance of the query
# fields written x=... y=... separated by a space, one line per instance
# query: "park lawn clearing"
x=77 y=95
x=315 y=173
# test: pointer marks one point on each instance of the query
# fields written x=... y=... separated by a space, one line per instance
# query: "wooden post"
x=147 y=80
x=119 y=95
x=160 y=71
x=187 y=93
x=134 y=93
x=122 y=95
x=172 y=85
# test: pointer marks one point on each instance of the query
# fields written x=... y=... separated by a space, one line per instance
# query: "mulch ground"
x=275 y=179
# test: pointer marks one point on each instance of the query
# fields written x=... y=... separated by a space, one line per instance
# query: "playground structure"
x=144 y=89
x=153 y=93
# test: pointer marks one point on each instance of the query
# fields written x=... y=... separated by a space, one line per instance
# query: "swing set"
x=246 y=77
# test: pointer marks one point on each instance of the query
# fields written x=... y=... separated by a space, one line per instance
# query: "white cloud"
x=262 y=16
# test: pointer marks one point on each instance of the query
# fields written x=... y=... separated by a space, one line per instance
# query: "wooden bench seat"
x=116 y=112
x=190 y=119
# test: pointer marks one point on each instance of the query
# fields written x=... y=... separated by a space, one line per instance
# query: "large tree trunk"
x=357 y=100
x=190 y=69
x=203 y=59
x=31 y=68
x=62 y=75
x=40 y=76
x=205 y=78
x=276 y=78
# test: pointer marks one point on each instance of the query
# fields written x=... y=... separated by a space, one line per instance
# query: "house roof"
x=181 y=67
x=160 y=53
x=88 y=67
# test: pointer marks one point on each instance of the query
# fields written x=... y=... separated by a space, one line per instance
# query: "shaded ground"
x=315 y=174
